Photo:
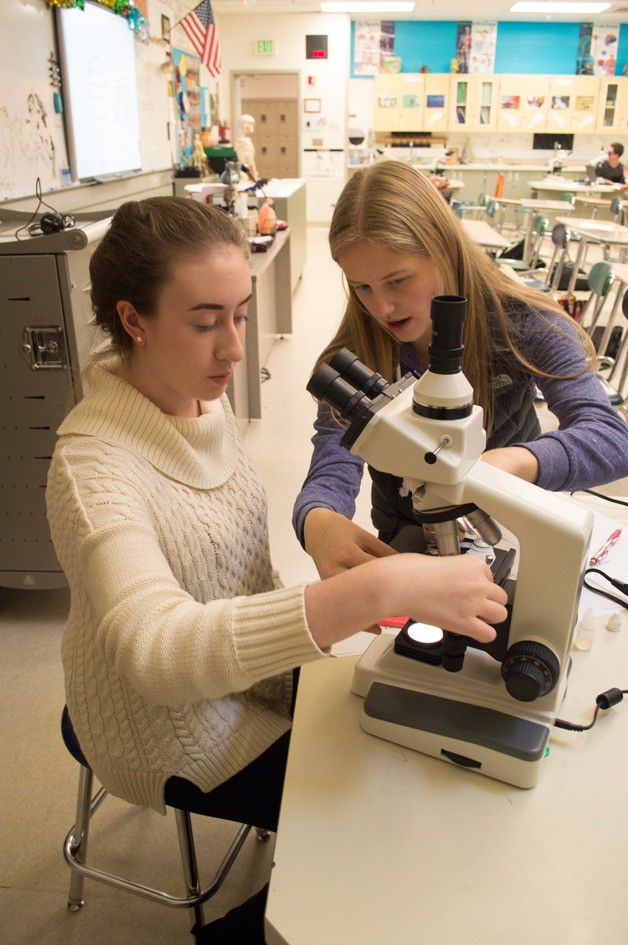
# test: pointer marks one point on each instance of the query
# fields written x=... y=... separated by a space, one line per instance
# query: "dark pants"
x=252 y=796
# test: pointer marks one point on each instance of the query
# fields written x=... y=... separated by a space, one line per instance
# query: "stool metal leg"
x=75 y=852
x=190 y=865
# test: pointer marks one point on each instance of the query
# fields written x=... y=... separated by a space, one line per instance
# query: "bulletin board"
x=191 y=99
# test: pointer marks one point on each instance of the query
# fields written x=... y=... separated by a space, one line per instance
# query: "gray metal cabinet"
x=45 y=339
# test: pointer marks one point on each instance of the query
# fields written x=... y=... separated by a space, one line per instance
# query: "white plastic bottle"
x=585 y=631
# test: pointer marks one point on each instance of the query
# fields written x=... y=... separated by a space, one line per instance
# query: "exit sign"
x=265 y=47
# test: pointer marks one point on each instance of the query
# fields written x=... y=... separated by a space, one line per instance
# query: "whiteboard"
x=32 y=134
x=32 y=139
x=97 y=51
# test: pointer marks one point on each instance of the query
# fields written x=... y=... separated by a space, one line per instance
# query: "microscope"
x=490 y=707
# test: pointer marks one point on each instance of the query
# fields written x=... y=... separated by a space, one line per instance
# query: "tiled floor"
x=38 y=778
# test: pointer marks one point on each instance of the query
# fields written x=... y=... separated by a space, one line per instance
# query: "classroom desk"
x=593 y=204
x=593 y=231
x=380 y=844
x=535 y=206
x=563 y=185
x=480 y=232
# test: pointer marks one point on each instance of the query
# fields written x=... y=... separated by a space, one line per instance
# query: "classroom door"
x=276 y=135
x=273 y=101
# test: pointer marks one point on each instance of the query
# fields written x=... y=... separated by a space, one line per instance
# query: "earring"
x=139 y=339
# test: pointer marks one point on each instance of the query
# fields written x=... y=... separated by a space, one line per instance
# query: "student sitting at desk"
x=612 y=170
x=181 y=641
x=398 y=245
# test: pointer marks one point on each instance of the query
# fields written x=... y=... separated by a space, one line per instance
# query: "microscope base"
x=491 y=743
x=465 y=718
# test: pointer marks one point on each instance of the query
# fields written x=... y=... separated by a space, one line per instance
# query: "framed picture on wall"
x=311 y=105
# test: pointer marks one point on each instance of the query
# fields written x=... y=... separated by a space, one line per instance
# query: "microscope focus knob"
x=530 y=670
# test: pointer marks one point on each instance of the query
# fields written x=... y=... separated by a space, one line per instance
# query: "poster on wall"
x=584 y=61
x=483 y=44
x=604 y=39
x=464 y=43
x=374 y=40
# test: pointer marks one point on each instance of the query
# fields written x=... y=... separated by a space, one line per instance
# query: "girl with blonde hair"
x=399 y=244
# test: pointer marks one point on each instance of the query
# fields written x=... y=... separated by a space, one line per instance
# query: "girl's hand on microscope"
x=516 y=460
x=458 y=594
x=336 y=544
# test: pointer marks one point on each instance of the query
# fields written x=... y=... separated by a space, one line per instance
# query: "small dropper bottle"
x=585 y=631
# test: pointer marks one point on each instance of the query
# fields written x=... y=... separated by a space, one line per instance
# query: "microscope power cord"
x=620 y=585
x=604 y=701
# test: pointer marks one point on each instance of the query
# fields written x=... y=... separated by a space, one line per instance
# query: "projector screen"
x=97 y=51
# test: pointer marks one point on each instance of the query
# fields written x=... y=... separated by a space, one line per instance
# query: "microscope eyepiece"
x=448 y=313
x=358 y=374
x=327 y=385
x=346 y=385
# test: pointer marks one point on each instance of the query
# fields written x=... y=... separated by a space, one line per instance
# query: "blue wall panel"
x=522 y=48
x=431 y=44
x=537 y=48
x=622 y=50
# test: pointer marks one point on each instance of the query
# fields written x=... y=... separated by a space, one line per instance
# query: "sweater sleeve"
x=334 y=477
x=171 y=649
x=590 y=447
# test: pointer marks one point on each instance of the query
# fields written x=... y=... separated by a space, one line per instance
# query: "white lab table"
x=563 y=185
x=484 y=234
x=381 y=844
x=270 y=313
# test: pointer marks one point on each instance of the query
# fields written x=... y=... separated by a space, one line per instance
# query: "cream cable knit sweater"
x=180 y=638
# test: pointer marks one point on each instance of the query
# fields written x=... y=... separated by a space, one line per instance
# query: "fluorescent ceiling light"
x=358 y=6
x=538 y=6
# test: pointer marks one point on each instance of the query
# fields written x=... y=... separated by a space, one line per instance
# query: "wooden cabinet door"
x=485 y=100
x=399 y=102
x=522 y=103
x=387 y=104
x=436 y=102
x=612 y=108
x=460 y=117
x=411 y=101
x=572 y=106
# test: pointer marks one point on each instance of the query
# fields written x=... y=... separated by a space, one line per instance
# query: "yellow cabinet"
x=568 y=104
x=612 y=111
x=523 y=103
x=399 y=101
x=406 y=101
x=436 y=115
x=573 y=104
x=473 y=103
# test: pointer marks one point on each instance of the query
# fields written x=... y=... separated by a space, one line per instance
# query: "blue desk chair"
x=539 y=229
x=75 y=847
x=600 y=279
x=464 y=208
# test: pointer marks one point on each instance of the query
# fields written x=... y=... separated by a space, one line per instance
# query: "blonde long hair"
x=391 y=204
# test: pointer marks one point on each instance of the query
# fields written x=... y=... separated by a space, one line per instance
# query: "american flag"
x=200 y=26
